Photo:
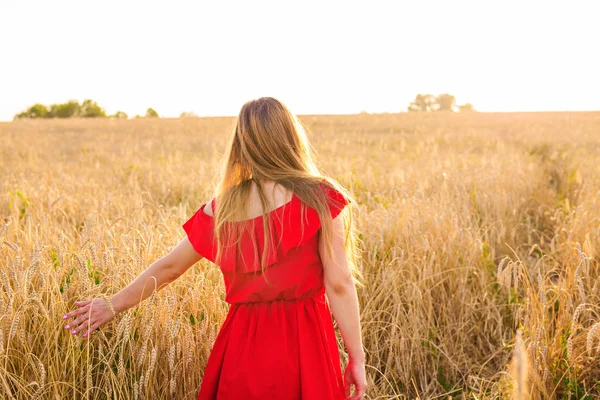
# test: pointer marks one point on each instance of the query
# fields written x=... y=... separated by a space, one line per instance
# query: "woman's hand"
x=355 y=375
x=91 y=315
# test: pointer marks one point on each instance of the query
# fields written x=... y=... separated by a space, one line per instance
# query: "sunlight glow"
x=318 y=57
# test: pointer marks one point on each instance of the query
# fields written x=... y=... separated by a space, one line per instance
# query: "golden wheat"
x=473 y=228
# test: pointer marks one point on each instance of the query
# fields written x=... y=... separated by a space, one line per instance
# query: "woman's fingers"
x=78 y=325
x=77 y=321
x=360 y=390
x=89 y=317
x=74 y=313
x=347 y=388
x=82 y=326
x=360 y=393
x=354 y=376
x=92 y=329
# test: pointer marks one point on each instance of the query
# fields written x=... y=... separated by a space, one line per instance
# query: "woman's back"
x=293 y=265
x=278 y=339
x=276 y=194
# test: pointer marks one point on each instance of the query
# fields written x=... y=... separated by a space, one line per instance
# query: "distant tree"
x=72 y=108
x=52 y=111
x=445 y=102
x=65 y=110
x=442 y=102
x=188 y=114
x=467 y=107
x=35 y=111
x=120 y=115
x=90 y=109
x=423 y=102
x=150 y=113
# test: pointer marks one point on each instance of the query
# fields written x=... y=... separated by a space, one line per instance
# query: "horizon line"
x=326 y=114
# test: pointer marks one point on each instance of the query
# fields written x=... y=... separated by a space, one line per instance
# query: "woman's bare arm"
x=91 y=315
x=341 y=292
x=164 y=270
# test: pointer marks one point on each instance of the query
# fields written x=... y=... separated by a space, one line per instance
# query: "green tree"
x=120 y=115
x=65 y=110
x=90 y=109
x=35 y=111
x=423 y=102
x=445 y=102
x=188 y=114
x=150 y=113
x=467 y=107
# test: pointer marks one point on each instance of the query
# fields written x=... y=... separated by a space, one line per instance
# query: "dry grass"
x=474 y=226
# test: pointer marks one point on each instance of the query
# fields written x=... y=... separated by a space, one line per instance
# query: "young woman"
x=285 y=241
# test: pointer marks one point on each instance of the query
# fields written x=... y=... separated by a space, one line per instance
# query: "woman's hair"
x=270 y=143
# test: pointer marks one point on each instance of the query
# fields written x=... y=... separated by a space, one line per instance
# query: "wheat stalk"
x=593 y=334
x=520 y=369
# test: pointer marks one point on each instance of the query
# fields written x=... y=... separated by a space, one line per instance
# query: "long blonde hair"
x=270 y=143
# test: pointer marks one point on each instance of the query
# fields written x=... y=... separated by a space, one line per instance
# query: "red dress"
x=278 y=340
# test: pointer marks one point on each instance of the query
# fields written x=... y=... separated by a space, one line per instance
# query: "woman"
x=287 y=252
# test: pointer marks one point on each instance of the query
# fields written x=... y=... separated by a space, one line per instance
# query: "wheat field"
x=480 y=235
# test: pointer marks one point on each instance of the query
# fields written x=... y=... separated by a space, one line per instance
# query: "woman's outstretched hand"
x=355 y=375
x=88 y=320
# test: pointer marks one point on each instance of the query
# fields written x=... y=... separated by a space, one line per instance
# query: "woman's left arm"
x=164 y=271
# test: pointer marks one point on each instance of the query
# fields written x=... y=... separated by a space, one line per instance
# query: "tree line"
x=90 y=109
x=442 y=102
x=72 y=109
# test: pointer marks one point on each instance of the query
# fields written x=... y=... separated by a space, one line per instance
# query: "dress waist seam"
x=319 y=295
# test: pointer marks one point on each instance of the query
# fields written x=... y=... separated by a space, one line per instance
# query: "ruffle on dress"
x=246 y=258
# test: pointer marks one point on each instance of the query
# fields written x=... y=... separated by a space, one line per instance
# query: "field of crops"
x=474 y=226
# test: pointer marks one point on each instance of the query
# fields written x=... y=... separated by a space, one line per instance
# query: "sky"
x=318 y=57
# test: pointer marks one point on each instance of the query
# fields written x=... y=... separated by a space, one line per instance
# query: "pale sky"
x=319 y=57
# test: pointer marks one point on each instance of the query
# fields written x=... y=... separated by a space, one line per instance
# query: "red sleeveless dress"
x=278 y=339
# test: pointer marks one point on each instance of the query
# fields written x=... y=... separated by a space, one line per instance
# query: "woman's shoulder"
x=209 y=208
x=336 y=194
